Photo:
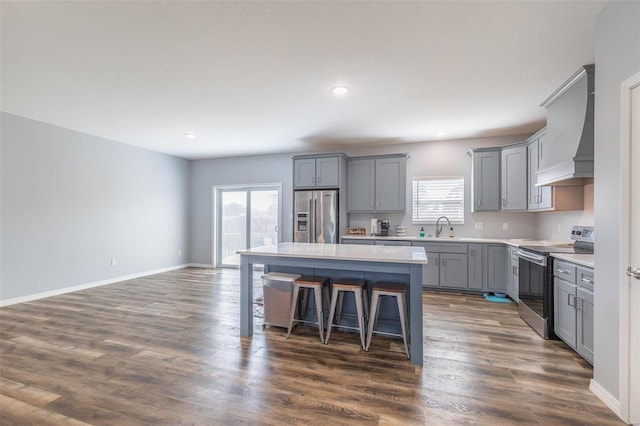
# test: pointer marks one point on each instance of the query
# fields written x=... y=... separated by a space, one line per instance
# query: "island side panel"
x=246 y=296
x=416 y=314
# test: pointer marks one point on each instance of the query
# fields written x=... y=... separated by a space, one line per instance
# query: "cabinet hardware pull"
x=634 y=273
x=561 y=271
x=586 y=280
x=569 y=300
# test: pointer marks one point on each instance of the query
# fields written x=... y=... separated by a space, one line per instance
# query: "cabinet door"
x=453 y=270
x=564 y=312
x=475 y=267
x=497 y=261
x=431 y=271
x=327 y=172
x=545 y=197
x=486 y=181
x=515 y=280
x=584 y=329
x=304 y=172
x=360 y=180
x=390 y=184
x=514 y=178
x=532 y=161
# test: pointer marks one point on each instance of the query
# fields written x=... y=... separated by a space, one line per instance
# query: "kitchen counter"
x=580 y=259
x=514 y=242
x=370 y=262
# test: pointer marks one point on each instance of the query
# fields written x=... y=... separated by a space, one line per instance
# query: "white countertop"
x=514 y=242
x=366 y=253
x=580 y=259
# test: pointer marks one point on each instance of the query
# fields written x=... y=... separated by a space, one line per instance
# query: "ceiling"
x=255 y=77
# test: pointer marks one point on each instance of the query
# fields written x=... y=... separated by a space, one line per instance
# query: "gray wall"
x=70 y=202
x=426 y=159
x=234 y=171
x=617 y=58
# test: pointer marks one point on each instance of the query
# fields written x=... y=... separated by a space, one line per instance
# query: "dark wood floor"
x=165 y=350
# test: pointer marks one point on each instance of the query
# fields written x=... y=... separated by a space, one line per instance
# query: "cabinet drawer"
x=442 y=247
x=584 y=277
x=565 y=271
x=364 y=242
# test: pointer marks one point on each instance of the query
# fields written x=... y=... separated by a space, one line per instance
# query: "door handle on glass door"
x=635 y=273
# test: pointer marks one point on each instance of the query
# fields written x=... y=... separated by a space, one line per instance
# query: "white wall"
x=617 y=58
x=70 y=202
x=557 y=225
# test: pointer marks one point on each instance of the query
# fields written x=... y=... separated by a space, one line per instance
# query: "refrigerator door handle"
x=312 y=221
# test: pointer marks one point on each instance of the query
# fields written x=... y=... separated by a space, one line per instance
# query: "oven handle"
x=538 y=260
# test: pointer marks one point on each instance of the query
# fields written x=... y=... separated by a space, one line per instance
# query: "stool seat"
x=306 y=283
x=359 y=289
x=390 y=287
x=399 y=292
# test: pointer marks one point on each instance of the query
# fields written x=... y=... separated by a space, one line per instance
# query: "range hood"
x=567 y=158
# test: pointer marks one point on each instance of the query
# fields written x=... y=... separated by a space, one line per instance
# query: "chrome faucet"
x=439 y=227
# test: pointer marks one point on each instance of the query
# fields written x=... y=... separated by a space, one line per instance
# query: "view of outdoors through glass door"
x=248 y=217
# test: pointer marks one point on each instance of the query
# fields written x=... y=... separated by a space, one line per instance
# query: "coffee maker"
x=383 y=227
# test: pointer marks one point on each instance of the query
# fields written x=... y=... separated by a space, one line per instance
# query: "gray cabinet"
x=539 y=197
x=485 y=179
x=377 y=184
x=316 y=172
x=476 y=266
x=358 y=241
x=447 y=265
x=513 y=288
x=573 y=306
x=514 y=178
x=497 y=261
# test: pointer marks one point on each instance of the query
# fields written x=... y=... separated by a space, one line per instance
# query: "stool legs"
x=359 y=310
x=294 y=307
x=373 y=319
x=402 y=305
x=318 y=296
x=362 y=309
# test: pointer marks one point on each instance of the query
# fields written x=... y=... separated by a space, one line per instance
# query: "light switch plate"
x=479 y=225
x=505 y=225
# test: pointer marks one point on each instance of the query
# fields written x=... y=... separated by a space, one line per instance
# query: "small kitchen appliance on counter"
x=384 y=228
x=535 y=282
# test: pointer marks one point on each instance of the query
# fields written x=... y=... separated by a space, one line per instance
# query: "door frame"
x=216 y=199
x=626 y=348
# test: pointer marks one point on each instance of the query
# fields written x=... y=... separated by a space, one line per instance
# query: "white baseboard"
x=60 y=291
x=200 y=265
x=609 y=400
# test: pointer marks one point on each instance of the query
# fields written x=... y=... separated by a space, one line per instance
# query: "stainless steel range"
x=535 y=283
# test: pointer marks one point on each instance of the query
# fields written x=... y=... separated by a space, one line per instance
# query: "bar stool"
x=318 y=285
x=359 y=289
x=399 y=291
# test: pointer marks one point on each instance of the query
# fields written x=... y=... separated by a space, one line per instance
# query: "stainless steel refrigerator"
x=315 y=216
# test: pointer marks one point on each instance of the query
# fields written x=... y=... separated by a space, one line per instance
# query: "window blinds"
x=438 y=196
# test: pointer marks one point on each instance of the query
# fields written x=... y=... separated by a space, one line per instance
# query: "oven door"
x=536 y=292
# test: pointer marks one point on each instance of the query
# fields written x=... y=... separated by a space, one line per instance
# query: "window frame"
x=459 y=182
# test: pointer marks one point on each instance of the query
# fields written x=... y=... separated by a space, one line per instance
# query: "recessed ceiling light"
x=441 y=134
x=189 y=135
x=340 y=90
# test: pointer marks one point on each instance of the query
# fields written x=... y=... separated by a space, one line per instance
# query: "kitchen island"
x=402 y=264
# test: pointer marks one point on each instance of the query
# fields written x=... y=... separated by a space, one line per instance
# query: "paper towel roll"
x=374 y=227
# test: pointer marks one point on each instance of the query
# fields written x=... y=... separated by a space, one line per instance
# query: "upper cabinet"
x=317 y=171
x=485 y=180
x=547 y=198
x=377 y=184
x=540 y=197
x=514 y=178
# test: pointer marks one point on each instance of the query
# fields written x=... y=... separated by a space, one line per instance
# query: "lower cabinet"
x=447 y=265
x=573 y=307
x=475 y=266
x=497 y=261
x=513 y=278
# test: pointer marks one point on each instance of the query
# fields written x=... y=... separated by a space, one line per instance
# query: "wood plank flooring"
x=165 y=349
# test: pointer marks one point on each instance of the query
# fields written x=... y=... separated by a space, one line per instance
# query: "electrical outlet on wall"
x=179 y=252
x=559 y=228
x=479 y=225
x=505 y=226
x=114 y=262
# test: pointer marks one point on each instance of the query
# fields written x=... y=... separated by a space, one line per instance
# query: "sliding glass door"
x=245 y=217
